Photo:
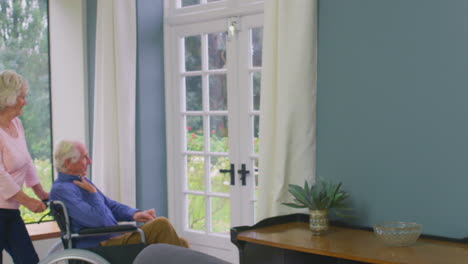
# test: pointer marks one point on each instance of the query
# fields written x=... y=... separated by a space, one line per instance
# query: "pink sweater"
x=16 y=166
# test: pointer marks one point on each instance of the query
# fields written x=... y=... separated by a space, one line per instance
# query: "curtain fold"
x=288 y=102
x=113 y=167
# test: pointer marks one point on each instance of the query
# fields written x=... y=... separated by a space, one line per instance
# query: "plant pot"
x=318 y=222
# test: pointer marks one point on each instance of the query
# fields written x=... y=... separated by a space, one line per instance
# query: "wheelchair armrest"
x=108 y=229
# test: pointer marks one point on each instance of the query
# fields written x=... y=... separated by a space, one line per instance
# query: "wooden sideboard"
x=287 y=239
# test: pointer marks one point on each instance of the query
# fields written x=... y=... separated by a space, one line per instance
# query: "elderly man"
x=88 y=207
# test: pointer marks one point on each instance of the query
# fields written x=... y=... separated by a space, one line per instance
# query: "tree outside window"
x=24 y=47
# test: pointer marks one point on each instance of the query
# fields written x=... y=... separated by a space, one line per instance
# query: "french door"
x=213 y=98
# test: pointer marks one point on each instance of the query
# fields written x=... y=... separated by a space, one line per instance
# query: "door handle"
x=243 y=172
x=231 y=171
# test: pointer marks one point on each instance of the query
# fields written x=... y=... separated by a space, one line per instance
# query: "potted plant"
x=319 y=198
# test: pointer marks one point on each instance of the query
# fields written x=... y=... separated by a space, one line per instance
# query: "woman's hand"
x=33 y=205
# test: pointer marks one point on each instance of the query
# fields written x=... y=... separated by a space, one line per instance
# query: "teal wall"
x=150 y=114
x=393 y=109
x=91 y=12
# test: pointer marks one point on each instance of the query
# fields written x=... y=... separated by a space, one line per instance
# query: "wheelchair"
x=124 y=254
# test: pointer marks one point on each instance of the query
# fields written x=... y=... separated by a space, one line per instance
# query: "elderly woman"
x=16 y=168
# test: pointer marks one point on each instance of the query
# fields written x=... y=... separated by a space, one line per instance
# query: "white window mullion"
x=207 y=196
x=206 y=129
x=246 y=69
x=197 y=73
x=244 y=134
x=201 y=113
x=233 y=103
x=174 y=123
x=192 y=73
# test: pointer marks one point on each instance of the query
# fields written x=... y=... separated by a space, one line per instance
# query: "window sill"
x=44 y=230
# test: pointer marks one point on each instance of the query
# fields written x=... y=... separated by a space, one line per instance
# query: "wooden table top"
x=355 y=244
x=43 y=230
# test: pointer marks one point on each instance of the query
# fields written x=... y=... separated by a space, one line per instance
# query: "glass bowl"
x=398 y=234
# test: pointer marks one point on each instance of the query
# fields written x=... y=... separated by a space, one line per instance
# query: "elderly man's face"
x=80 y=167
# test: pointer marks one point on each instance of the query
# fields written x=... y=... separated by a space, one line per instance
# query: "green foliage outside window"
x=44 y=171
x=24 y=47
x=220 y=208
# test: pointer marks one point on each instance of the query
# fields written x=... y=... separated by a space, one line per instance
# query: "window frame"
x=44 y=163
x=67 y=54
x=172 y=20
x=68 y=64
x=175 y=27
x=217 y=10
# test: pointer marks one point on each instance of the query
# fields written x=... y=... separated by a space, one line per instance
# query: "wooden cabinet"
x=287 y=239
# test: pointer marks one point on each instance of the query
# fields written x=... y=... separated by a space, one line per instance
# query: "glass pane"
x=218 y=92
x=256 y=83
x=255 y=209
x=24 y=48
x=257 y=43
x=220 y=181
x=190 y=2
x=219 y=134
x=221 y=215
x=217 y=50
x=256 y=139
x=193 y=93
x=193 y=53
x=256 y=179
x=195 y=133
x=195 y=173
x=196 y=212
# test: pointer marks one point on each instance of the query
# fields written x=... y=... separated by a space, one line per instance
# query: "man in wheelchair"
x=90 y=208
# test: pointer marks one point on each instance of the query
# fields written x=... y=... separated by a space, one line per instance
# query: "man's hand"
x=145 y=216
x=34 y=205
x=85 y=185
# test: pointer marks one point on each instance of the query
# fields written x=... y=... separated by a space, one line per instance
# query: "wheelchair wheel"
x=57 y=247
x=74 y=256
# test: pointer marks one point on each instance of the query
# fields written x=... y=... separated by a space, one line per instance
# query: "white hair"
x=65 y=149
x=11 y=86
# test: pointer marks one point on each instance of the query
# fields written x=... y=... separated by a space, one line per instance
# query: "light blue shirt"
x=87 y=210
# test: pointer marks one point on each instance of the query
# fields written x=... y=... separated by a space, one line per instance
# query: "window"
x=213 y=71
x=24 y=47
